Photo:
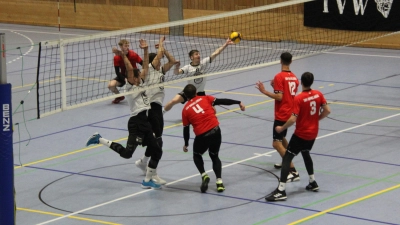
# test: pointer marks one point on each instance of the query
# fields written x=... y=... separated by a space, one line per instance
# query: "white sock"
x=219 y=180
x=203 y=174
x=149 y=174
x=145 y=159
x=105 y=142
x=282 y=186
x=312 y=178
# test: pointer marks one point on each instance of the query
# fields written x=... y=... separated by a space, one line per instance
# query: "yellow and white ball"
x=236 y=37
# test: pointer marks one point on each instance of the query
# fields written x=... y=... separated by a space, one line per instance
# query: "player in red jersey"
x=199 y=112
x=306 y=114
x=120 y=68
x=285 y=86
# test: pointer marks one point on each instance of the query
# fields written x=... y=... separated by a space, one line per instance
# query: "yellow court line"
x=55 y=157
x=363 y=105
x=121 y=139
x=72 y=217
x=344 y=205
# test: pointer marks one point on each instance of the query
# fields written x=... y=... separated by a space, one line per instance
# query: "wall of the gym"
x=121 y=14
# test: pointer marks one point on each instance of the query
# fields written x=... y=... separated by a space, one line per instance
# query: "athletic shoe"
x=141 y=165
x=117 y=100
x=150 y=184
x=293 y=176
x=278 y=165
x=158 y=180
x=312 y=186
x=204 y=184
x=94 y=139
x=276 y=195
x=220 y=187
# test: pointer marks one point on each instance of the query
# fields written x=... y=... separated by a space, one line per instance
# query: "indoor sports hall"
x=58 y=180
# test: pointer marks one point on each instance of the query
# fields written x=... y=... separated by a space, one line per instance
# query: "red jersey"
x=199 y=112
x=286 y=83
x=307 y=106
x=133 y=58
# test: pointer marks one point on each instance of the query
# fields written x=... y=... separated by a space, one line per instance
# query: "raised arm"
x=220 y=49
x=171 y=61
x=145 y=68
x=160 y=47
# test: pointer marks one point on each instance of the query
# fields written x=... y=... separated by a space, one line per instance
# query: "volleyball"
x=236 y=37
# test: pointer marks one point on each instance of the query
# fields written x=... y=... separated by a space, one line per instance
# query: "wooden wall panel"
x=121 y=14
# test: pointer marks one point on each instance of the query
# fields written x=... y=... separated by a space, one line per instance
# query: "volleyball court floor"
x=60 y=181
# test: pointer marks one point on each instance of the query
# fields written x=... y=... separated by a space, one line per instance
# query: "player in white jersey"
x=197 y=67
x=156 y=96
x=140 y=132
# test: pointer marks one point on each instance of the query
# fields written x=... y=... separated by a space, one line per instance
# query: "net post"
x=175 y=12
x=7 y=206
x=63 y=79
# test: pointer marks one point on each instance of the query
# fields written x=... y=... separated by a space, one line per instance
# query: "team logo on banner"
x=384 y=7
x=362 y=15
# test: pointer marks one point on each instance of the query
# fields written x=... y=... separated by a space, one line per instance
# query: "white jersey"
x=190 y=70
x=138 y=101
x=155 y=77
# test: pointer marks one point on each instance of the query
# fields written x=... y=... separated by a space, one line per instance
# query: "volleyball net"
x=75 y=72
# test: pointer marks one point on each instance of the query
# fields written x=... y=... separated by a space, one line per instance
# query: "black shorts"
x=278 y=136
x=121 y=81
x=297 y=144
x=200 y=93
x=156 y=119
x=210 y=140
x=140 y=131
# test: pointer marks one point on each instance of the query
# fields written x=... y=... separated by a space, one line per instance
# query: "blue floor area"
x=355 y=155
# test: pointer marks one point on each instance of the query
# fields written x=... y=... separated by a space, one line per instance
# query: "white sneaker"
x=139 y=163
x=158 y=180
x=293 y=176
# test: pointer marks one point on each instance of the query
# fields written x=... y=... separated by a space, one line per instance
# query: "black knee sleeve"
x=308 y=162
x=124 y=152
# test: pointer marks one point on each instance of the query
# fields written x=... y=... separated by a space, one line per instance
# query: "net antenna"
x=75 y=72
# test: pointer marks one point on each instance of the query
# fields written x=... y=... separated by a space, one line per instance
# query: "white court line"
x=128 y=196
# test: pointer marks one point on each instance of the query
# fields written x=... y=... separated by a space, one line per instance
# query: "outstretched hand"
x=229 y=42
x=116 y=51
x=242 y=106
x=143 y=44
x=177 y=64
x=260 y=86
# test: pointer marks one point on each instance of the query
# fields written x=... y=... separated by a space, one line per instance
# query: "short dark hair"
x=189 y=91
x=286 y=58
x=307 y=79
x=191 y=53
x=136 y=73
x=152 y=56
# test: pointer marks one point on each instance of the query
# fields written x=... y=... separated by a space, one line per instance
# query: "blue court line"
x=70 y=129
x=223 y=196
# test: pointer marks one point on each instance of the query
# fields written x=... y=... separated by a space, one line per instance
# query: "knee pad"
x=159 y=142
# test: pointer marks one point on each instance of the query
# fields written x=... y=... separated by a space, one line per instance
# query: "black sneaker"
x=312 y=186
x=293 y=176
x=276 y=195
x=204 y=184
x=220 y=187
x=278 y=165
